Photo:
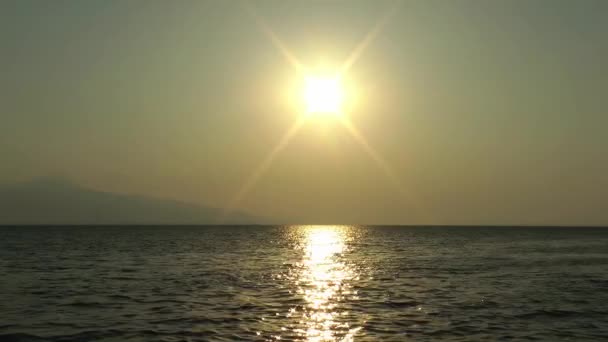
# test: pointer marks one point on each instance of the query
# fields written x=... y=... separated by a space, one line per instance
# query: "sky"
x=477 y=112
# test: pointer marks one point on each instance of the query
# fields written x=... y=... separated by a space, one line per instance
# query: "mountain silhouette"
x=53 y=201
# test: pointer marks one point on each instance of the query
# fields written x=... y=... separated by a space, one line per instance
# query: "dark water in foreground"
x=306 y=283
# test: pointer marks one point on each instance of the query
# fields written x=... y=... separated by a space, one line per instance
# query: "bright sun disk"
x=323 y=95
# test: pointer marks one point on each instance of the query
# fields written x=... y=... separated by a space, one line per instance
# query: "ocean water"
x=303 y=283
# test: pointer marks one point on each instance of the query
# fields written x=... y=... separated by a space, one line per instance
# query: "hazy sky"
x=486 y=111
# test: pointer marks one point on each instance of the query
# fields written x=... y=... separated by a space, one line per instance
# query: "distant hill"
x=61 y=202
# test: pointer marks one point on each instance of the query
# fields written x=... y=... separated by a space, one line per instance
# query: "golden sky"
x=466 y=112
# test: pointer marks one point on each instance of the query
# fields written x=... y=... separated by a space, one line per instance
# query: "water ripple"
x=304 y=283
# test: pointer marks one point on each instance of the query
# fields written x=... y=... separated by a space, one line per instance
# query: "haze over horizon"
x=483 y=112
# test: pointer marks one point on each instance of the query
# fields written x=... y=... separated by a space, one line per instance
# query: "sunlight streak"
x=261 y=169
x=316 y=105
x=383 y=164
x=368 y=39
x=376 y=157
x=276 y=41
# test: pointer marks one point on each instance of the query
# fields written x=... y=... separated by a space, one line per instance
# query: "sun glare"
x=323 y=95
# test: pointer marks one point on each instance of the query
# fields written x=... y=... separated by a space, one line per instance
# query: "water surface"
x=303 y=283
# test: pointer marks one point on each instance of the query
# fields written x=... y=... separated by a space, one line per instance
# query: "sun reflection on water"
x=325 y=282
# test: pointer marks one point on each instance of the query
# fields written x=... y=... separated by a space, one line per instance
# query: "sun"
x=323 y=95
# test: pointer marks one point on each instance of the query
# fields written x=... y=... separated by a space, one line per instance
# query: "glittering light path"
x=325 y=282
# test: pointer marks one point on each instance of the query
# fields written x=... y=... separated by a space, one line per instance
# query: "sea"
x=303 y=283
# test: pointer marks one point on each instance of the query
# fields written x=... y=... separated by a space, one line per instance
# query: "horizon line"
x=2 y=225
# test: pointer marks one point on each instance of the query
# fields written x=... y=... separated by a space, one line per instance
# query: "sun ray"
x=350 y=127
x=262 y=168
x=376 y=157
x=276 y=41
x=384 y=166
x=368 y=39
